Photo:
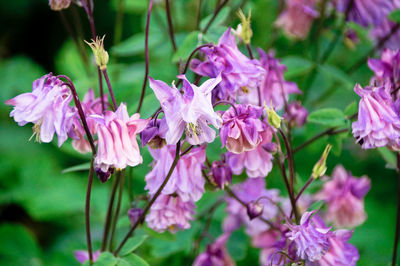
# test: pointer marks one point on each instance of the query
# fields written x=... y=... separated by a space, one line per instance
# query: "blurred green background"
x=42 y=207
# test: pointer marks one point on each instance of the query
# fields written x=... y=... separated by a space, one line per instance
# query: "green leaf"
x=189 y=44
x=237 y=245
x=133 y=260
x=327 y=117
x=337 y=74
x=76 y=168
x=134 y=45
x=133 y=243
x=131 y=6
x=221 y=17
x=106 y=259
x=351 y=109
x=389 y=157
x=316 y=206
x=296 y=66
x=395 y=16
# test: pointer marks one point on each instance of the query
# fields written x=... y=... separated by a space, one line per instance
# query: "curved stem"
x=329 y=132
x=290 y=160
x=170 y=25
x=217 y=10
x=110 y=88
x=153 y=199
x=397 y=231
x=226 y=103
x=301 y=192
x=116 y=214
x=87 y=211
x=146 y=51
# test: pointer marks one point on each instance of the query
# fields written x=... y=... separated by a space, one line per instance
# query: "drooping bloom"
x=117 y=144
x=134 y=214
x=186 y=179
x=83 y=255
x=378 y=123
x=58 y=5
x=47 y=107
x=237 y=70
x=154 y=134
x=220 y=174
x=215 y=254
x=241 y=128
x=170 y=213
x=387 y=68
x=344 y=195
x=312 y=241
x=191 y=112
x=257 y=162
x=296 y=114
x=296 y=20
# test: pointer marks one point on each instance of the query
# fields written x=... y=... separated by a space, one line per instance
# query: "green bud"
x=319 y=168
x=100 y=54
x=273 y=118
x=244 y=29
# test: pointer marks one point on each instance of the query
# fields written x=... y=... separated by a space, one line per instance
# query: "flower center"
x=36 y=131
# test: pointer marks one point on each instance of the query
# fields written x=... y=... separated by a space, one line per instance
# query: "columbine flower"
x=344 y=195
x=215 y=254
x=296 y=20
x=378 y=123
x=296 y=114
x=83 y=255
x=186 y=179
x=254 y=209
x=58 y=5
x=220 y=174
x=238 y=72
x=154 y=134
x=170 y=213
x=386 y=28
x=241 y=131
x=134 y=214
x=47 y=107
x=191 y=112
x=387 y=68
x=311 y=240
x=100 y=55
x=117 y=144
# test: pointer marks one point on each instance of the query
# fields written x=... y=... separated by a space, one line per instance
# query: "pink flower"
x=170 y=213
x=186 y=179
x=387 y=68
x=58 y=5
x=215 y=254
x=47 y=107
x=241 y=131
x=296 y=114
x=191 y=112
x=83 y=255
x=117 y=144
x=344 y=195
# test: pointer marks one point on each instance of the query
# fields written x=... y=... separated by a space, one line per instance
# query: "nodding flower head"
x=254 y=209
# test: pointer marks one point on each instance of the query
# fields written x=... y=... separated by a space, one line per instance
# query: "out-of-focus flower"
x=344 y=195
x=186 y=179
x=272 y=117
x=384 y=30
x=296 y=20
x=241 y=128
x=134 y=214
x=191 y=112
x=220 y=174
x=58 y=5
x=154 y=134
x=254 y=209
x=378 y=123
x=296 y=114
x=238 y=72
x=47 y=107
x=83 y=255
x=311 y=240
x=215 y=254
x=258 y=162
x=243 y=30
x=387 y=68
x=170 y=213
x=117 y=144
x=100 y=55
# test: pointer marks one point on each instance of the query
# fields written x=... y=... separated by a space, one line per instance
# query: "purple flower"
x=254 y=209
x=83 y=255
x=378 y=123
x=154 y=134
x=117 y=144
x=241 y=128
x=190 y=112
x=237 y=70
x=58 y=5
x=257 y=162
x=215 y=254
x=296 y=20
x=186 y=179
x=220 y=174
x=134 y=214
x=385 y=29
x=296 y=114
x=274 y=89
x=170 y=213
x=344 y=195
x=387 y=68
x=47 y=107
x=311 y=240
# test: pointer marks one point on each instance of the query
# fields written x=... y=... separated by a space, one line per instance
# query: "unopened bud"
x=134 y=214
x=272 y=117
x=104 y=176
x=244 y=29
x=319 y=168
x=254 y=209
x=270 y=147
x=100 y=54
x=220 y=174
x=58 y=5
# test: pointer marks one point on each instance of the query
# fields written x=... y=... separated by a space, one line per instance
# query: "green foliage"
x=327 y=117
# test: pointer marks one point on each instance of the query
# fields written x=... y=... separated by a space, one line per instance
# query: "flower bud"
x=104 y=176
x=270 y=147
x=58 y=5
x=272 y=117
x=296 y=114
x=134 y=214
x=319 y=168
x=254 y=209
x=243 y=30
x=100 y=54
x=220 y=174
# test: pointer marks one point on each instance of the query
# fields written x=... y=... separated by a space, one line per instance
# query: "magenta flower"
x=257 y=162
x=191 y=112
x=186 y=179
x=117 y=144
x=83 y=255
x=170 y=213
x=154 y=134
x=385 y=29
x=296 y=114
x=215 y=254
x=378 y=123
x=241 y=131
x=387 y=68
x=296 y=20
x=47 y=107
x=220 y=174
x=311 y=239
x=238 y=72
x=344 y=195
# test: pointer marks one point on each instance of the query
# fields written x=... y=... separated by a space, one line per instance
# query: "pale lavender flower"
x=83 y=255
x=58 y=5
x=215 y=254
x=186 y=179
x=170 y=213
x=190 y=112
x=311 y=239
x=378 y=123
x=344 y=195
x=241 y=131
x=117 y=144
x=47 y=107
x=387 y=68
x=296 y=114
x=220 y=174
x=297 y=18
x=238 y=72
x=154 y=134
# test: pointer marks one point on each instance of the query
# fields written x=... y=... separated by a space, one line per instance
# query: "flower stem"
x=170 y=25
x=116 y=214
x=396 y=238
x=110 y=88
x=215 y=14
x=329 y=132
x=301 y=192
x=153 y=199
x=87 y=211
x=290 y=160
